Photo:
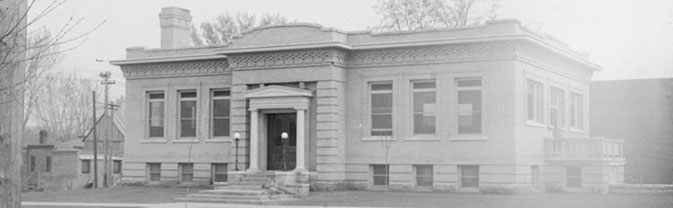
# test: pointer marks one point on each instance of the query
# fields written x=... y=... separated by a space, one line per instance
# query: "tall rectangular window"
x=187 y=118
x=117 y=166
x=423 y=175
x=156 y=114
x=32 y=163
x=574 y=177
x=424 y=106
x=381 y=108
x=380 y=174
x=535 y=102
x=576 y=111
x=469 y=105
x=535 y=175
x=47 y=167
x=220 y=113
x=556 y=107
x=154 y=171
x=186 y=172
x=469 y=175
x=86 y=166
x=219 y=172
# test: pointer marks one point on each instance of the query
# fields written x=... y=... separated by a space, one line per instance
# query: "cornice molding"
x=191 y=68
x=287 y=59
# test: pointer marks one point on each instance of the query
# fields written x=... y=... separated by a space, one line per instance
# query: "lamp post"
x=237 y=136
x=285 y=143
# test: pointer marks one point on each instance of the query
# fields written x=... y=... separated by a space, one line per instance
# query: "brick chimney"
x=43 y=136
x=175 y=25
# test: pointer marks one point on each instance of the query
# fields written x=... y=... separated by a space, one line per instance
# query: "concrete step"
x=234 y=192
x=251 y=183
x=225 y=196
x=233 y=201
x=239 y=187
x=261 y=180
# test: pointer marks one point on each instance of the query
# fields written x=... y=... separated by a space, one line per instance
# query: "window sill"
x=186 y=141
x=422 y=138
x=535 y=124
x=469 y=137
x=219 y=140
x=154 y=141
x=378 y=138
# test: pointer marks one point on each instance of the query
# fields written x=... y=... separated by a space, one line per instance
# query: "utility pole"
x=106 y=153
x=95 y=145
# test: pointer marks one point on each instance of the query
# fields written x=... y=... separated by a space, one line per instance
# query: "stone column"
x=301 y=141
x=254 y=141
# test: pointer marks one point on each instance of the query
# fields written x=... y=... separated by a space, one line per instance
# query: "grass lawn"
x=561 y=200
x=375 y=199
x=111 y=195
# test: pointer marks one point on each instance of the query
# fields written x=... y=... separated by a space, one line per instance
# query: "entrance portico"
x=268 y=102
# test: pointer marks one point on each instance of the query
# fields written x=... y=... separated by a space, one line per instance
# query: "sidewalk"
x=161 y=205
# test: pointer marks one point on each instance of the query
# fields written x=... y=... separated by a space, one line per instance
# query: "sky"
x=629 y=39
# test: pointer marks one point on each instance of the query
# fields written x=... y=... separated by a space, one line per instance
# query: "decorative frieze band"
x=287 y=59
x=190 y=68
x=430 y=54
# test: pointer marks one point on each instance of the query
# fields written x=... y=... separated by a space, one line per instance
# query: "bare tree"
x=223 y=28
x=409 y=15
x=65 y=117
x=21 y=61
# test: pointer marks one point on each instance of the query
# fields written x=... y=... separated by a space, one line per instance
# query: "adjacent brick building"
x=476 y=108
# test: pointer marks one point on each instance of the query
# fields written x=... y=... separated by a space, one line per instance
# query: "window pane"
x=380 y=169
x=156 y=95
x=424 y=102
x=220 y=177
x=382 y=121
x=221 y=93
x=155 y=176
x=470 y=100
x=187 y=94
x=424 y=181
x=469 y=83
x=469 y=176
x=469 y=124
x=574 y=177
x=385 y=86
x=470 y=182
x=380 y=180
x=220 y=127
x=424 y=170
x=382 y=103
x=117 y=166
x=424 y=124
x=187 y=168
x=220 y=168
x=221 y=108
x=48 y=165
x=187 y=128
x=156 y=110
x=157 y=131
x=424 y=85
x=155 y=168
x=86 y=166
x=471 y=171
x=187 y=109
